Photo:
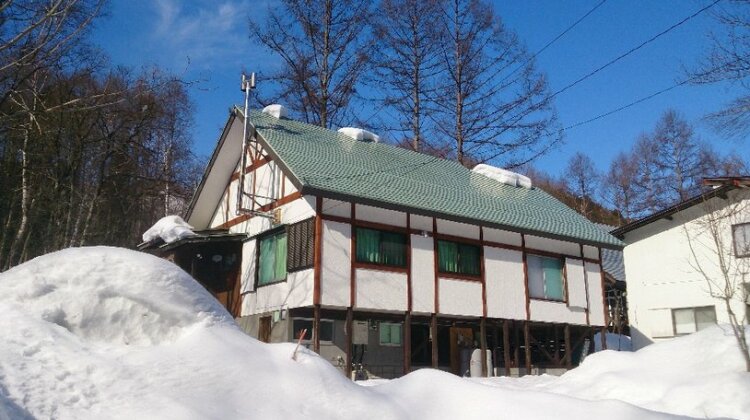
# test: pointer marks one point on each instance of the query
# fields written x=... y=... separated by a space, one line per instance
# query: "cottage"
x=675 y=262
x=385 y=258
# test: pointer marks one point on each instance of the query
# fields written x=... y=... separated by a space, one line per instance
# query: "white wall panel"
x=247 y=275
x=590 y=252
x=576 y=283
x=422 y=274
x=506 y=291
x=379 y=215
x=464 y=230
x=460 y=297
x=336 y=264
x=336 y=208
x=553 y=245
x=421 y=222
x=297 y=210
x=502 y=236
x=596 y=310
x=296 y=291
x=381 y=290
x=546 y=311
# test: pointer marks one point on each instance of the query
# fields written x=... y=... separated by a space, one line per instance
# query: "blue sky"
x=206 y=42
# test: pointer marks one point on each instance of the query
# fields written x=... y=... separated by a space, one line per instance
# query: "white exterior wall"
x=595 y=293
x=460 y=297
x=661 y=273
x=506 y=287
x=381 y=290
x=335 y=284
x=422 y=274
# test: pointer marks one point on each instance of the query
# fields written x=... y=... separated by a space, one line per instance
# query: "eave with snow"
x=413 y=257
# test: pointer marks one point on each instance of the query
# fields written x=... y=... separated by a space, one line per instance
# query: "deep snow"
x=111 y=333
x=169 y=229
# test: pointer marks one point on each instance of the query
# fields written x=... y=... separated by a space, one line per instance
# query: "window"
x=272 y=259
x=741 y=237
x=458 y=258
x=390 y=334
x=301 y=242
x=545 y=277
x=690 y=320
x=326 y=329
x=381 y=247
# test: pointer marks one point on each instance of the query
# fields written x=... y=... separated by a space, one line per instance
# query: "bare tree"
x=582 y=179
x=494 y=105
x=618 y=187
x=729 y=61
x=324 y=48
x=408 y=47
x=716 y=253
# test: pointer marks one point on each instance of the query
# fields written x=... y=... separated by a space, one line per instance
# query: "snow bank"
x=169 y=229
x=359 y=134
x=503 y=175
x=71 y=319
x=276 y=111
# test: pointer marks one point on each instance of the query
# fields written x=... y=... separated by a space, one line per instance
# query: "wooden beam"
x=434 y=336
x=436 y=266
x=316 y=329
x=349 y=338
x=483 y=345
x=526 y=277
x=318 y=250
x=268 y=207
x=407 y=342
x=506 y=346
x=527 y=344
x=568 y=359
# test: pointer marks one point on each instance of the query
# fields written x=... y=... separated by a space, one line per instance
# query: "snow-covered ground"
x=111 y=333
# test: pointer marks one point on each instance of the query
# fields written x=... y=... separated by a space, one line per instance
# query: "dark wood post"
x=434 y=335
x=527 y=344
x=316 y=329
x=506 y=346
x=407 y=343
x=349 y=331
x=604 y=338
x=568 y=348
x=483 y=346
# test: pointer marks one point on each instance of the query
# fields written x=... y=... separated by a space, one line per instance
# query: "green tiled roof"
x=326 y=163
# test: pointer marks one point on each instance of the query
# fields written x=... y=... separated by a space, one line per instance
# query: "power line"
x=555 y=39
x=634 y=49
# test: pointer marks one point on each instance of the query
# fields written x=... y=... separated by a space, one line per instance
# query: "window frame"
x=380 y=265
x=734 y=242
x=312 y=322
x=563 y=278
x=391 y=324
x=265 y=235
x=456 y=274
x=695 y=322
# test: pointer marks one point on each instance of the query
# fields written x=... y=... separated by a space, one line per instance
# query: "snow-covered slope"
x=110 y=333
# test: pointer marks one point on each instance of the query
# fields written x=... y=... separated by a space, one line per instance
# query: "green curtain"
x=272 y=259
x=390 y=333
x=468 y=259
x=396 y=334
x=393 y=247
x=447 y=257
x=368 y=246
x=553 y=280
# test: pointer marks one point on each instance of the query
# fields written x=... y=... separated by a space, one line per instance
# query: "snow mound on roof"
x=276 y=111
x=503 y=175
x=110 y=295
x=359 y=134
x=169 y=229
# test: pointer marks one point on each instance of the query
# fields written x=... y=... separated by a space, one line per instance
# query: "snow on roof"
x=359 y=134
x=503 y=175
x=276 y=111
x=169 y=229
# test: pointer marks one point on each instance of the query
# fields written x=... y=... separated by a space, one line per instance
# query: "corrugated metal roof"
x=330 y=164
